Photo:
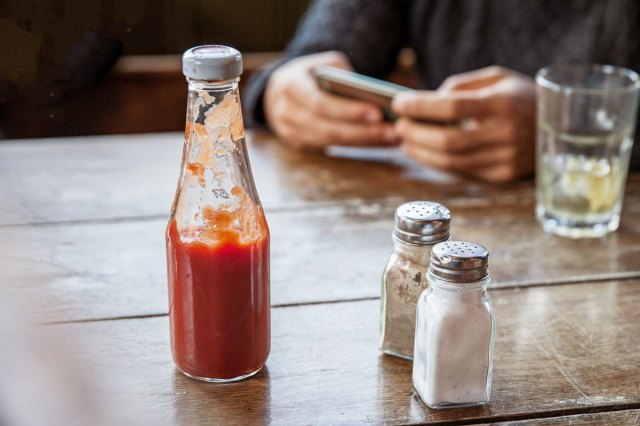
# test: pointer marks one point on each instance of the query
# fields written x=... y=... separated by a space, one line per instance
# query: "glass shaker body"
x=455 y=328
x=217 y=241
x=403 y=280
x=418 y=226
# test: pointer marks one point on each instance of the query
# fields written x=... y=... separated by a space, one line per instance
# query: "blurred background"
x=104 y=66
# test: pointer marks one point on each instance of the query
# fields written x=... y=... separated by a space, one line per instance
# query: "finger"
x=472 y=163
x=445 y=138
x=319 y=131
x=290 y=135
x=353 y=134
x=497 y=174
x=307 y=94
x=345 y=135
x=474 y=80
x=442 y=106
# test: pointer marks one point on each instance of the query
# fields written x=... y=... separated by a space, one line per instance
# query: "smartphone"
x=358 y=86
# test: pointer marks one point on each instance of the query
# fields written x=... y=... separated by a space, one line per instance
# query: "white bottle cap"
x=212 y=63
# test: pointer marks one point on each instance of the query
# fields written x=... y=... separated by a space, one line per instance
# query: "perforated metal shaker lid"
x=459 y=261
x=212 y=62
x=422 y=223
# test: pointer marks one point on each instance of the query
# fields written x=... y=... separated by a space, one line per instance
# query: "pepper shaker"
x=455 y=327
x=418 y=226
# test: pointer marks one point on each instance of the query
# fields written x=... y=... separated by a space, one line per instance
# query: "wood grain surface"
x=617 y=418
x=555 y=354
x=82 y=228
x=116 y=268
x=107 y=177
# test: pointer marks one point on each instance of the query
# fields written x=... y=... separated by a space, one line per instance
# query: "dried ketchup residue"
x=197 y=170
x=187 y=130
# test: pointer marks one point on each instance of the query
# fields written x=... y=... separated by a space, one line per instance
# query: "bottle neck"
x=213 y=85
x=205 y=95
x=216 y=188
x=218 y=87
x=215 y=148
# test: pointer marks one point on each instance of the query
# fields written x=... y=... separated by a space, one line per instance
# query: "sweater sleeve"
x=369 y=32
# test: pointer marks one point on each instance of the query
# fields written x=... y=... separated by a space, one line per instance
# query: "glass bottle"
x=418 y=226
x=217 y=236
x=455 y=328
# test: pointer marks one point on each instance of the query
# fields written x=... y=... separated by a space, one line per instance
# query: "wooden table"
x=82 y=224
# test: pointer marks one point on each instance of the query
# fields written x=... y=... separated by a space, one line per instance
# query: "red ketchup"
x=219 y=304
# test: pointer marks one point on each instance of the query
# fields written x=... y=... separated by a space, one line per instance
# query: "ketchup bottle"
x=217 y=236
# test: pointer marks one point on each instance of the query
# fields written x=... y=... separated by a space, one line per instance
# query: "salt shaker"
x=418 y=226
x=455 y=328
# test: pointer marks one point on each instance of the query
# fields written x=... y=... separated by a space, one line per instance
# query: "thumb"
x=337 y=59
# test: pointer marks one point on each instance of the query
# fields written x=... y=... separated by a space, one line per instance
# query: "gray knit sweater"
x=454 y=36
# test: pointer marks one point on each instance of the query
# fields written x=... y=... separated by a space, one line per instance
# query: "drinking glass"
x=585 y=128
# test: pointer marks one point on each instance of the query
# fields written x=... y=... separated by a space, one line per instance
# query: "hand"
x=480 y=123
x=304 y=116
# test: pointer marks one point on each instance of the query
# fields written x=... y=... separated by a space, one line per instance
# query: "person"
x=475 y=58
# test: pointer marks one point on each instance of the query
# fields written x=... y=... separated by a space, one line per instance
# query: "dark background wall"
x=41 y=40
x=68 y=67
x=171 y=26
